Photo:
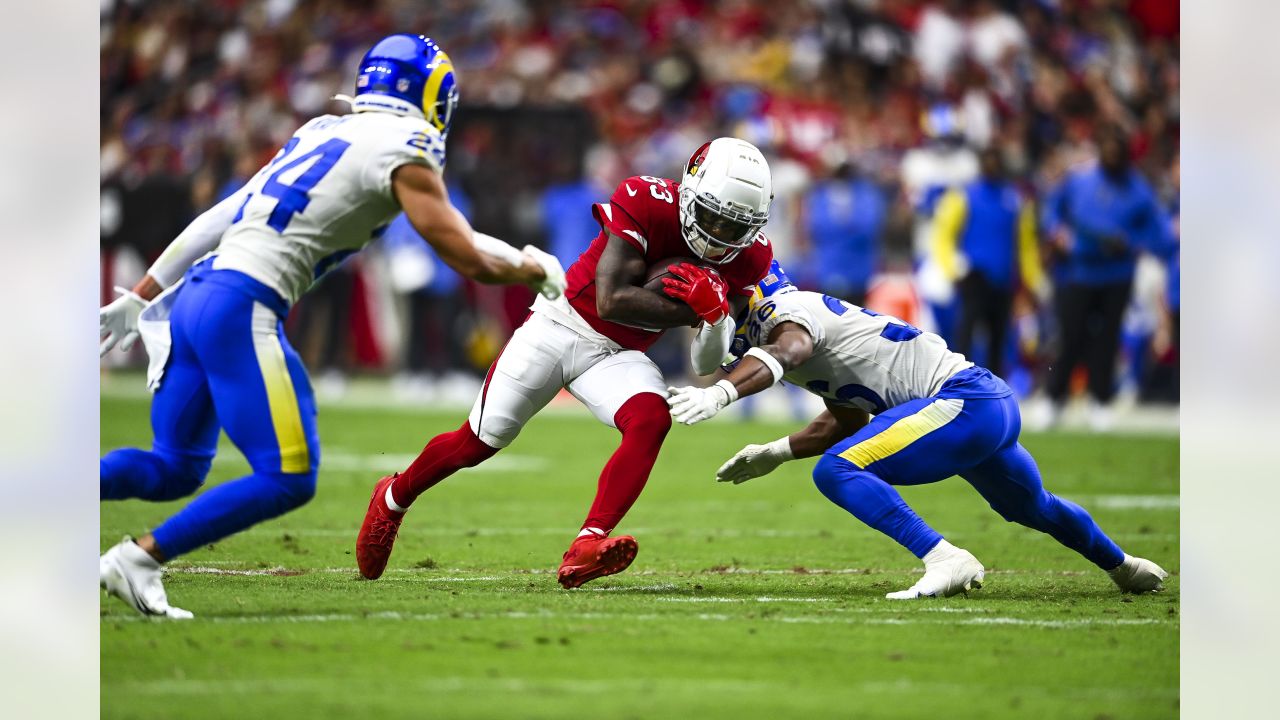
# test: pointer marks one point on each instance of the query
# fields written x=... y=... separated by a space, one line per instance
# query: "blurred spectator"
x=566 y=207
x=985 y=237
x=435 y=319
x=944 y=161
x=200 y=94
x=844 y=218
x=1098 y=220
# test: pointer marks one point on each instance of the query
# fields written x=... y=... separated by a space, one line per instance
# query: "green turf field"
x=760 y=600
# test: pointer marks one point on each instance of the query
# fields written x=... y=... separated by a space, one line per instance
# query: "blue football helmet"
x=408 y=74
x=776 y=282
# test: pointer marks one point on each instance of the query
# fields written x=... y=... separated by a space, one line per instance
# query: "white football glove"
x=118 y=322
x=553 y=286
x=753 y=461
x=691 y=405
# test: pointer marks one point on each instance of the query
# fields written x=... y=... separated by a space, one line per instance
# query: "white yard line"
x=232 y=567
x=1128 y=502
x=347 y=461
x=702 y=617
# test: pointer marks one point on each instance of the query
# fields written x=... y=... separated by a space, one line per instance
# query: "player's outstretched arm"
x=422 y=195
x=620 y=296
x=789 y=346
x=827 y=429
x=118 y=321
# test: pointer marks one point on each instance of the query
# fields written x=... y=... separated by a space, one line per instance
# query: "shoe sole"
x=614 y=558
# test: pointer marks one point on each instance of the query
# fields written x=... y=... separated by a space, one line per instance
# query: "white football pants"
x=544 y=356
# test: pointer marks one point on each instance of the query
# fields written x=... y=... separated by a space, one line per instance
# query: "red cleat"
x=378 y=533
x=594 y=556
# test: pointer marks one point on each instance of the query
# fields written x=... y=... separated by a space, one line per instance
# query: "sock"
x=874 y=502
x=443 y=456
x=233 y=506
x=644 y=421
x=133 y=553
x=133 y=473
x=939 y=552
x=592 y=532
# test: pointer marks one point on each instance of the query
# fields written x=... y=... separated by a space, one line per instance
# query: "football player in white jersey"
x=935 y=415
x=219 y=356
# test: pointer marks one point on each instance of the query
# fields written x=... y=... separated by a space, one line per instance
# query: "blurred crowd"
x=1002 y=172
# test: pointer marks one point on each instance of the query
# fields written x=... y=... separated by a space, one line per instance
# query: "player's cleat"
x=1138 y=575
x=948 y=570
x=129 y=573
x=594 y=556
x=378 y=532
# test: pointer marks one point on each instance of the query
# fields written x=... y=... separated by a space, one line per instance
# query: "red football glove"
x=700 y=288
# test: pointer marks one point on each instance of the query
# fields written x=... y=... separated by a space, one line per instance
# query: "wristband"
x=769 y=361
x=729 y=390
x=781 y=448
x=493 y=247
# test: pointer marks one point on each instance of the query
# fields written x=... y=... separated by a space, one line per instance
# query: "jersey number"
x=893 y=331
x=859 y=396
x=655 y=183
x=293 y=197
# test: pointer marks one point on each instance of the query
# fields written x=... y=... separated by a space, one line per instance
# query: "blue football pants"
x=230 y=367
x=928 y=440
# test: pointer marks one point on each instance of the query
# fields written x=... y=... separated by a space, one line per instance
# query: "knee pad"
x=645 y=413
x=830 y=472
x=294 y=489
x=469 y=449
x=185 y=474
x=1027 y=512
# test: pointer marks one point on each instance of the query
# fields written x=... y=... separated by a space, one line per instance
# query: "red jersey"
x=645 y=212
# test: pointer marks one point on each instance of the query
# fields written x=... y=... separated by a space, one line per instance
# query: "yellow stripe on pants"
x=286 y=417
x=904 y=432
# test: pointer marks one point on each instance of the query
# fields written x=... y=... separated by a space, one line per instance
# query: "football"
x=658 y=271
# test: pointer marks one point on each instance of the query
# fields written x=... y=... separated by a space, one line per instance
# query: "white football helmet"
x=724 y=198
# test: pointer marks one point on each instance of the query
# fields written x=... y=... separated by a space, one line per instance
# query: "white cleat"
x=132 y=575
x=948 y=570
x=1138 y=575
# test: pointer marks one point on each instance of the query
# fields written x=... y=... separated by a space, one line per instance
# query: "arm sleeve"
x=1156 y=232
x=198 y=239
x=493 y=247
x=1055 y=207
x=948 y=222
x=710 y=346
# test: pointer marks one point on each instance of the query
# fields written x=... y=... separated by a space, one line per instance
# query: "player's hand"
x=754 y=461
x=552 y=286
x=701 y=289
x=118 y=322
x=692 y=405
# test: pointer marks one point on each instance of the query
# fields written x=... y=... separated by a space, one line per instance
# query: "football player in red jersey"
x=592 y=341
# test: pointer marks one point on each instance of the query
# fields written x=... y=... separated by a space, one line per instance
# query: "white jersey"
x=860 y=359
x=323 y=197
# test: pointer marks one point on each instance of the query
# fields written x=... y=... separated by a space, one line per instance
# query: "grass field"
x=761 y=600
